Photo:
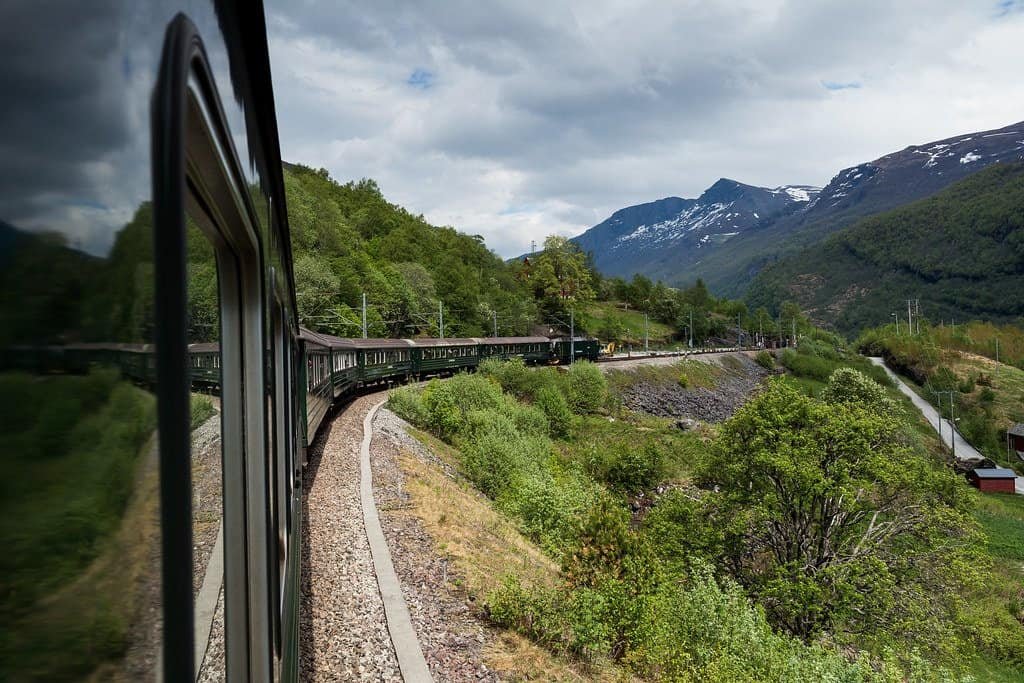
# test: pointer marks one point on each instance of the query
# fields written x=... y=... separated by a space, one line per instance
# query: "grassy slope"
x=484 y=546
x=77 y=522
x=1002 y=518
x=632 y=320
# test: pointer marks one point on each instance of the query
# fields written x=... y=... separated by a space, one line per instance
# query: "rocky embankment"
x=737 y=382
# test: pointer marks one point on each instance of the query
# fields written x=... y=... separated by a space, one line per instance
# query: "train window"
x=204 y=332
x=231 y=579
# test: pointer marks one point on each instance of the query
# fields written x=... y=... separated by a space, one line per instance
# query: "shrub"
x=512 y=374
x=634 y=468
x=585 y=387
x=805 y=365
x=849 y=386
x=446 y=404
x=495 y=455
x=536 y=613
x=553 y=404
x=202 y=409
x=407 y=403
x=529 y=420
x=765 y=360
x=549 y=504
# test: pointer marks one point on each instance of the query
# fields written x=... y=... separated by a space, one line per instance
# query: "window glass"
x=207 y=457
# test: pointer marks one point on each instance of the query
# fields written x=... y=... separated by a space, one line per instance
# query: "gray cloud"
x=546 y=119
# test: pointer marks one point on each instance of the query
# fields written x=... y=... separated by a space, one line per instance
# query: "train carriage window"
x=234 y=554
x=204 y=329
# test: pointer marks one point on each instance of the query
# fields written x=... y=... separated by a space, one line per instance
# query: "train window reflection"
x=204 y=333
x=79 y=502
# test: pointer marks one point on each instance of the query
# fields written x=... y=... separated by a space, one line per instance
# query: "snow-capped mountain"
x=634 y=235
x=732 y=230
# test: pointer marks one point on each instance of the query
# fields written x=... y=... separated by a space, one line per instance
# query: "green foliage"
x=807 y=365
x=555 y=407
x=505 y=449
x=852 y=387
x=516 y=378
x=447 y=404
x=765 y=359
x=407 y=403
x=627 y=467
x=347 y=239
x=585 y=387
x=961 y=250
x=559 y=275
x=201 y=409
x=75 y=471
x=807 y=483
x=695 y=630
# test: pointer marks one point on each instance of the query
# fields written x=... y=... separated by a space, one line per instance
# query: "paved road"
x=964 y=450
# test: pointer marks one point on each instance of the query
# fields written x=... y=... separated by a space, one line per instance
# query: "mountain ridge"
x=960 y=251
x=728 y=251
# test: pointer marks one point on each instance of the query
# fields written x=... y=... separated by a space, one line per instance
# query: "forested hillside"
x=349 y=240
x=960 y=252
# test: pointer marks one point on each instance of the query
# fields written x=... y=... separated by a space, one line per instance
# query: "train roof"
x=515 y=340
x=325 y=340
x=107 y=346
x=382 y=343
x=452 y=341
x=333 y=342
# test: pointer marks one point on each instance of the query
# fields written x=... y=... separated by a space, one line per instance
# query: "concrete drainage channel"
x=411 y=661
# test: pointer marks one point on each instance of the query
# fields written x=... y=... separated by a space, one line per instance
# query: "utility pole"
x=917 y=312
x=440 y=318
x=364 y=315
x=952 y=419
x=691 y=328
x=760 y=330
x=646 y=336
x=495 y=315
x=897 y=316
x=910 y=319
x=794 y=332
x=572 y=336
x=997 y=357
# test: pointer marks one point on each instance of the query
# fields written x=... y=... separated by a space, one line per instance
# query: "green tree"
x=316 y=289
x=835 y=524
x=560 y=275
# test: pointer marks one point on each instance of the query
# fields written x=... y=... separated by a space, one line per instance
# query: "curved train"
x=141 y=151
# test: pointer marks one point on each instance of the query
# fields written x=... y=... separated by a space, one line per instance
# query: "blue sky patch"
x=1004 y=7
x=421 y=79
x=841 y=85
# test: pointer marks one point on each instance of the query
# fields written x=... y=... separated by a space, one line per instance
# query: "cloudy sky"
x=520 y=119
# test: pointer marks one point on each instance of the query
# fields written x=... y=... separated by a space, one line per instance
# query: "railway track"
x=678 y=354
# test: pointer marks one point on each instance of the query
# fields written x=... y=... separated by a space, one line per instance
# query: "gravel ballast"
x=344 y=634
x=451 y=636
